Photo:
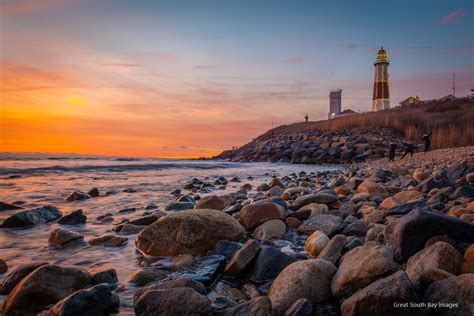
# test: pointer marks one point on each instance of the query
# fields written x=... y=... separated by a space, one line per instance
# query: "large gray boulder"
x=308 y=279
x=94 y=301
x=193 y=232
x=25 y=219
x=455 y=293
x=361 y=266
x=327 y=223
x=440 y=255
x=379 y=298
x=45 y=286
x=408 y=234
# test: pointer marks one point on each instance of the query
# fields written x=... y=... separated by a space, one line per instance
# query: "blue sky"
x=228 y=63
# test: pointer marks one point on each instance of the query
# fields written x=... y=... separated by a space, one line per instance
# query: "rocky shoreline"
x=328 y=147
x=375 y=238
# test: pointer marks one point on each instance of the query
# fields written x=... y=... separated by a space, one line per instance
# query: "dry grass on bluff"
x=452 y=123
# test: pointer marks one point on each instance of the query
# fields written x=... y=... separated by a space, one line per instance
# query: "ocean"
x=124 y=183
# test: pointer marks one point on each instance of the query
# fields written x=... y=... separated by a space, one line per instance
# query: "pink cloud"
x=452 y=17
x=127 y=65
x=27 y=6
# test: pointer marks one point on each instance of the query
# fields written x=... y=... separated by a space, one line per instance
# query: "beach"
x=264 y=232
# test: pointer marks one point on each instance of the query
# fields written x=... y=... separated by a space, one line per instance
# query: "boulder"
x=193 y=231
x=440 y=255
x=73 y=218
x=94 y=192
x=15 y=276
x=315 y=209
x=205 y=270
x=179 y=206
x=170 y=284
x=457 y=290
x=130 y=229
x=94 y=301
x=360 y=267
x=406 y=208
x=408 y=196
x=7 y=207
x=319 y=198
x=407 y=235
x=379 y=298
x=62 y=236
x=173 y=301
x=308 y=279
x=45 y=286
x=372 y=188
x=242 y=258
x=102 y=275
x=142 y=277
x=109 y=241
x=255 y=214
x=292 y=222
x=40 y=215
x=272 y=229
x=225 y=248
x=212 y=202
x=327 y=223
x=77 y=196
x=268 y=264
x=316 y=243
x=333 y=250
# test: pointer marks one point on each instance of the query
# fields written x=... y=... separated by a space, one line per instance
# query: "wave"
x=119 y=168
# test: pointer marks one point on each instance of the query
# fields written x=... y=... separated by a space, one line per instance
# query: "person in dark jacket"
x=427 y=139
x=409 y=149
x=391 y=154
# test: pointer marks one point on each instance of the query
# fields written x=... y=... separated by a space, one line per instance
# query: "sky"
x=191 y=78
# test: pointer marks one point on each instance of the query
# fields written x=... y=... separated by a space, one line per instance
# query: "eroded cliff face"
x=343 y=146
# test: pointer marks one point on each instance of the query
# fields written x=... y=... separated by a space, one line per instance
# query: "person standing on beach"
x=427 y=139
x=391 y=154
x=409 y=149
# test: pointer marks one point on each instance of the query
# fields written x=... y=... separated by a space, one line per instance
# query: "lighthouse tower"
x=381 y=99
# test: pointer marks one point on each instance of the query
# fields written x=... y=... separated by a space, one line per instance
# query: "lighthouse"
x=381 y=99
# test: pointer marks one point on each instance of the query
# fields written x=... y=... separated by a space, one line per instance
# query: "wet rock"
x=225 y=248
x=308 y=279
x=263 y=187
x=379 y=297
x=408 y=234
x=94 y=301
x=62 y=236
x=315 y=209
x=405 y=208
x=130 y=229
x=7 y=207
x=108 y=276
x=440 y=180
x=358 y=228
x=408 y=196
x=301 y=307
x=255 y=214
x=268 y=264
x=259 y=306
x=179 y=206
x=292 y=222
x=109 y=241
x=194 y=232
x=16 y=275
x=205 y=270
x=77 y=196
x=142 y=277
x=223 y=290
x=44 y=286
x=372 y=188
x=440 y=255
x=458 y=290
x=73 y=218
x=360 y=267
x=242 y=258
x=175 y=283
x=145 y=220
x=94 y=192
x=359 y=197
x=212 y=202
x=316 y=243
x=173 y=301
x=3 y=266
x=333 y=250
x=272 y=229
x=432 y=275
x=318 y=198
x=327 y=223
x=32 y=217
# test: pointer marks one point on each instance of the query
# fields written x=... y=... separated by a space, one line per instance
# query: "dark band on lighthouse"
x=381 y=97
